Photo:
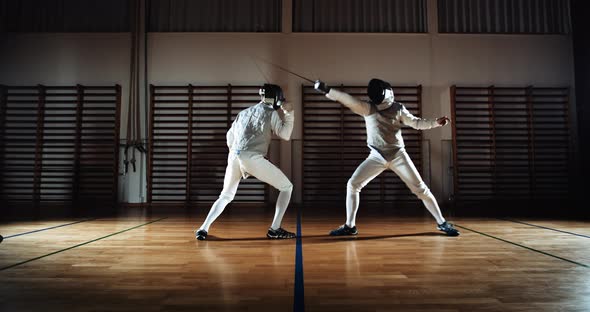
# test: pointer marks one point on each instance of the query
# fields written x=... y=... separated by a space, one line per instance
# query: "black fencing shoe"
x=448 y=228
x=344 y=230
x=201 y=234
x=279 y=233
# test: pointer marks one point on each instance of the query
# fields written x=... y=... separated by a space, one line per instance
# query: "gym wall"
x=435 y=61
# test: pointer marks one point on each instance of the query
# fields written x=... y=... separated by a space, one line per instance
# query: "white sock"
x=432 y=206
x=215 y=211
x=352 y=207
x=282 y=204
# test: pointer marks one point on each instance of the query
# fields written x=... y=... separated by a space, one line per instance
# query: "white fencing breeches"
x=256 y=165
x=403 y=166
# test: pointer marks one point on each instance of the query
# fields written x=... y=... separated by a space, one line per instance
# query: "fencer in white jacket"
x=248 y=140
x=384 y=119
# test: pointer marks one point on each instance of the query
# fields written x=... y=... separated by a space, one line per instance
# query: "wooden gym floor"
x=153 y=263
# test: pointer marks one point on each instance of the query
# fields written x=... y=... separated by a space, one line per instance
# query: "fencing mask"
x=272 y=95
x=380 y=91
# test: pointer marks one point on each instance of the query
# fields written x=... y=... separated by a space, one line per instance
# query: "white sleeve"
x=230 y=134
x=282 y=128
x=415 y=122
x=355 y=105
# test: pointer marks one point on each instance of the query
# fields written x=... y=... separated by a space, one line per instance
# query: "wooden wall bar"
x=510 y=143
x=60 y=144
x=188 y=152
x=334 y=144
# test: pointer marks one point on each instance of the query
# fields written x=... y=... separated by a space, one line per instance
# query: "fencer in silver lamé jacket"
x=252 y=129
x=383 y=122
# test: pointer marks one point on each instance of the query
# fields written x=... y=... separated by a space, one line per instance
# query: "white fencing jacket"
x=252 y=129
x=383 y=122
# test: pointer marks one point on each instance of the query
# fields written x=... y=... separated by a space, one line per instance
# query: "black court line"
x=299 y=298
x=544 y=227
x=525 y=247
x=48 y=228
x=81 y=244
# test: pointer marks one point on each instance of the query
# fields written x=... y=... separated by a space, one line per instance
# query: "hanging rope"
x=133 y=138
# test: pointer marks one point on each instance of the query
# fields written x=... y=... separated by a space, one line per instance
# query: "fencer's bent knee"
x=354 y=186
x=286 y=187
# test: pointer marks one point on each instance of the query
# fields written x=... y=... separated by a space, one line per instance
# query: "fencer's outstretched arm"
x=283 y=128
x=355 y=105
x=415 y=122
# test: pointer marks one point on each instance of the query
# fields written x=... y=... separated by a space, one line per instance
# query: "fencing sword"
x=286 y=70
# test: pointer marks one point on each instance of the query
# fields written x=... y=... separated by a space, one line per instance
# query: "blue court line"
x=545 y=227
x=523 y=246
x=49 y=228
x=299 y=299
x=81 y=244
